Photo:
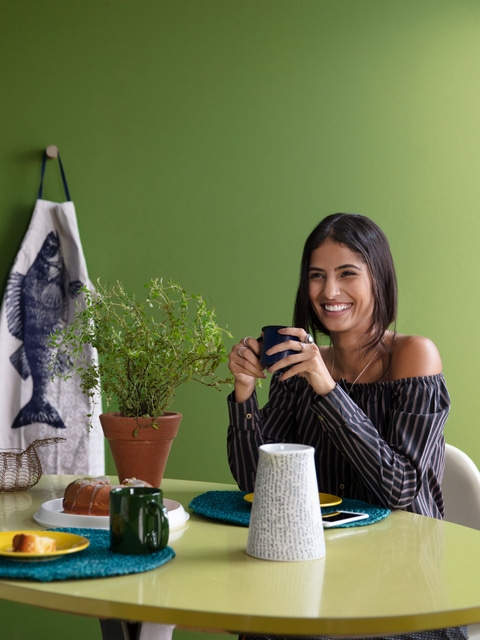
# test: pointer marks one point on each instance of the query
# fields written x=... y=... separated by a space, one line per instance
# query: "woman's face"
x=340 y=288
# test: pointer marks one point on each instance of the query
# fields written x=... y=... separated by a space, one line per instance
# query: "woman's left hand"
x=307 y=363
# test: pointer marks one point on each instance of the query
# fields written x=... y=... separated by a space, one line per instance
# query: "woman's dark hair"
x=364 y=237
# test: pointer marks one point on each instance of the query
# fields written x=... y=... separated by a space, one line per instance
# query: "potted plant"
x=146 y=349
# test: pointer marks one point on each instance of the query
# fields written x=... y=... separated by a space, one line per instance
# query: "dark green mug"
x=138 y=520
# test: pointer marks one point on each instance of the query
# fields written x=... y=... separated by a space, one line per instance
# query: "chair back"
x=461 y=488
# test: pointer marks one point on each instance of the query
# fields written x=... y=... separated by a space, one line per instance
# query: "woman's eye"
x=315 y=275
x=347 y=273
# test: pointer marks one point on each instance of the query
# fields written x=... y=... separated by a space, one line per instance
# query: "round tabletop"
x=405 y=573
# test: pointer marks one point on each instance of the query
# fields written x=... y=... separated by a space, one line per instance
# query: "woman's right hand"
x=244 y=363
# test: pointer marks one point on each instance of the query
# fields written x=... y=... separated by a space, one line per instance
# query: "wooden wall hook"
x=52 y=151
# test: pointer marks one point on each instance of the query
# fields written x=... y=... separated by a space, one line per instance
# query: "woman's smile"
x=334 y=308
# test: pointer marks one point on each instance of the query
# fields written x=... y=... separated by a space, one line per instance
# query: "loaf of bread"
x=88 y=497
x=33 y=543
x=91 y=496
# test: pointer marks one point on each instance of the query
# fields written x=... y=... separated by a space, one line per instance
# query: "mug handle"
x=157 y=537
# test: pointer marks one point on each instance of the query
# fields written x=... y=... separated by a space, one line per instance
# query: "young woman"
x=373 y=403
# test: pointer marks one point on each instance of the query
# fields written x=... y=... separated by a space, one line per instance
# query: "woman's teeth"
x=336 y=307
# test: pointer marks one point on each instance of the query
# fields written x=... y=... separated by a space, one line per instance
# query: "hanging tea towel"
x=41 y=295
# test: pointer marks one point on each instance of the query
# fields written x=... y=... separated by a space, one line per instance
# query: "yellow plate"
x=66 y=543
x=326 y=499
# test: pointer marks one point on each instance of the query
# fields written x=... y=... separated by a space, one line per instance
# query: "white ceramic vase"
x=286 y=519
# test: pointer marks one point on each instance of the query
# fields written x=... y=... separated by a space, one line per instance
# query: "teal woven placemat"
x=229 y=506
x=97 y=561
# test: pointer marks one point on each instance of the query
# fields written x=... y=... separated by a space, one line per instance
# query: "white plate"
x=51 y=514
x=177 y=516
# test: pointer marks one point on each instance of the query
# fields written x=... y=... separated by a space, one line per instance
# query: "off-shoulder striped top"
x=378 y=442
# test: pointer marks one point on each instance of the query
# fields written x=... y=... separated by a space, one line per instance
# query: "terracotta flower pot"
x=140 y=453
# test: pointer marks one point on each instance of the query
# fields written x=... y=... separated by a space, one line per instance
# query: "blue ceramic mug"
x=271 y=337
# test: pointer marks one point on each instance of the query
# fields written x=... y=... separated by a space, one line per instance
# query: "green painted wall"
x=203 y=140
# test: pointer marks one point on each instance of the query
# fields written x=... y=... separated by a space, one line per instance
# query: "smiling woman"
x=373 y=403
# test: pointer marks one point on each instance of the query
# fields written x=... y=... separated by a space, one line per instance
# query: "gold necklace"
x=361 y=372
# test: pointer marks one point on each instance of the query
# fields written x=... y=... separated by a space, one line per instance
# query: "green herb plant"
x=146 y=348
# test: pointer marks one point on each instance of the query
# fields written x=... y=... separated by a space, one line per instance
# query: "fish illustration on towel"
x=36 y=305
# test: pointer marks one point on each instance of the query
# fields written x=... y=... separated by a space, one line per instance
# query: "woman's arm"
x=243 y=439
x=250 y=427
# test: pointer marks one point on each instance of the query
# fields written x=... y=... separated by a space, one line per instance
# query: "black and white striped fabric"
x=377 y=442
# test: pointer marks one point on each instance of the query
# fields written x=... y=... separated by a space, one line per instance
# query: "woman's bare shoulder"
x=414 y=356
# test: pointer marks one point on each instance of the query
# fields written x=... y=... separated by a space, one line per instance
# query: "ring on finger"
x=308 y=339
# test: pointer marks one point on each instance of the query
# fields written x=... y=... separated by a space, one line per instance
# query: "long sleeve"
x=250 y=427
x=383 y=445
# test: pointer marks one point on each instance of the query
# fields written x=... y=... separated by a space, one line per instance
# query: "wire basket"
x=21 y=470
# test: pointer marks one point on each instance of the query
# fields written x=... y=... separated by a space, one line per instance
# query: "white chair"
x=461 y=488
x=461 y=493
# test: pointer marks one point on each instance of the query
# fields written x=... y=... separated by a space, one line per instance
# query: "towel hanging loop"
x=42 y=173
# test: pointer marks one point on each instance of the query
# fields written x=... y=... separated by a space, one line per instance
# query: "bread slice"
x=31 y=543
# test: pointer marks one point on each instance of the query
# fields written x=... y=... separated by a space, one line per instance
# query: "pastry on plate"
x=33 y=543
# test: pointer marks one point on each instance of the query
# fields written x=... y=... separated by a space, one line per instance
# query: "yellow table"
x=405 y=573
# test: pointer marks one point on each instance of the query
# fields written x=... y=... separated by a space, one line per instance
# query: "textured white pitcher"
x=286 y=519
